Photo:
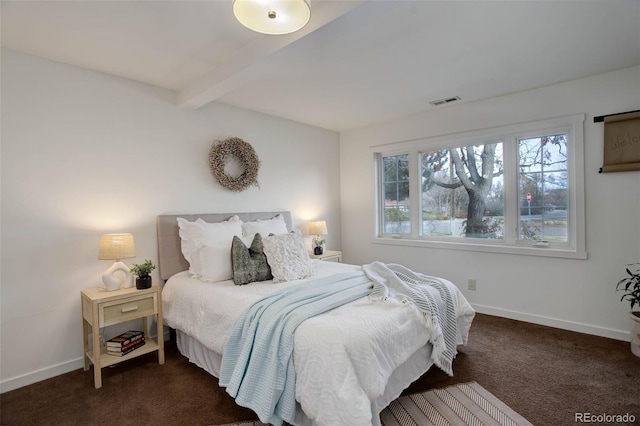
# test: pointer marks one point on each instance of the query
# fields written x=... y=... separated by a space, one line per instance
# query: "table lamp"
x=116 y=247
x=318 y=228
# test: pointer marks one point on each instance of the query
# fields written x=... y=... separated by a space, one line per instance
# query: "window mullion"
x=379 y=198
x=511 y=185
x=415 y=194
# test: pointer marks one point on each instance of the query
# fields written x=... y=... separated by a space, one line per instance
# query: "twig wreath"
x=219 y=154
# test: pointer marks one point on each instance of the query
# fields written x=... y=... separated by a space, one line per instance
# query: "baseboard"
x=555 y=322
x=48 y=372
x=39 y=375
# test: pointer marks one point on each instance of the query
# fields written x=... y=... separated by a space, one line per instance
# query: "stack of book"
x=125 y=343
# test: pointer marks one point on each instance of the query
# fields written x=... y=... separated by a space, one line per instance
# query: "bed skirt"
x=402 y=377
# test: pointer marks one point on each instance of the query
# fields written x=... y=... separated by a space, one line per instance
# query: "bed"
x=346 y=364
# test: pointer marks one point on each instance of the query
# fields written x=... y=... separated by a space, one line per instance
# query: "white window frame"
x=575 y=248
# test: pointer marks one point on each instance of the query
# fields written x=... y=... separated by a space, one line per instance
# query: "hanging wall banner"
x=621 y=143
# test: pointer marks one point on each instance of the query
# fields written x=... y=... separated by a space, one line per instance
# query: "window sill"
x=567 y=253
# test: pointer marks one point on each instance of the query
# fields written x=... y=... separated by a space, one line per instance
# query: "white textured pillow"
x=275 y=225
x=288 y=257
x=193 y=234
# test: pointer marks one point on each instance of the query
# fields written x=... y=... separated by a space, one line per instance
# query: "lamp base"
x=113 y=282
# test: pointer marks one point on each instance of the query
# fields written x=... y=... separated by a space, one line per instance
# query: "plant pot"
x=635 y=332
x=143 y=282
x=318 y=250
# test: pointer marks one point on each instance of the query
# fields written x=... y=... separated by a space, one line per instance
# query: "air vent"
x=445 y=101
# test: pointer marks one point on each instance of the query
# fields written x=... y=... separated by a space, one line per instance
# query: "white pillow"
x=214 y=259
x=190 y=232
x=288 y=257
x=275 y=225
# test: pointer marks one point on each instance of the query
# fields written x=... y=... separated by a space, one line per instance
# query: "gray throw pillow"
x=249 y=264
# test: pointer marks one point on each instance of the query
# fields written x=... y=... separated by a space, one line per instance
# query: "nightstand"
x=101 y=308
x=328 y=256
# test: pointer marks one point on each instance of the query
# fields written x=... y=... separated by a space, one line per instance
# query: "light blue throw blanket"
x=257 y=364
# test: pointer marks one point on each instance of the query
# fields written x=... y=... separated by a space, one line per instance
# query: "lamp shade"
x=275 y=17
x=318 y=228
x=116 y=247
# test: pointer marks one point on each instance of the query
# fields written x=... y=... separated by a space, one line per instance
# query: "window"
x=462 y=192
x=396 y=194
x=542 y=164
x=516 y=189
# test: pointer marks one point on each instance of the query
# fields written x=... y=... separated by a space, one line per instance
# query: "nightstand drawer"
x=127 y=309
x=335 y=258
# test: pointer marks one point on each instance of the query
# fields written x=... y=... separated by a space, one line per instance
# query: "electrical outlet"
x=471 y=284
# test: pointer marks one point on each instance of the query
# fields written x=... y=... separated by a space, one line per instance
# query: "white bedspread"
x=343 y=358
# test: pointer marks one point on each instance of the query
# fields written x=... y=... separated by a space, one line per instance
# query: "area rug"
x=457 y=405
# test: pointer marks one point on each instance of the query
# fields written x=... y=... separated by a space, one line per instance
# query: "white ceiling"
x=356 y=63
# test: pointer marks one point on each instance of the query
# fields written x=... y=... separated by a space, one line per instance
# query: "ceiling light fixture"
x=274 y=17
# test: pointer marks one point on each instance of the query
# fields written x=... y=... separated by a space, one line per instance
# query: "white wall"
x=84 y=153
x=573 y=294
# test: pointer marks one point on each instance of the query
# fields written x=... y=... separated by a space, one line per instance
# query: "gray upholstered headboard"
x=170 y=259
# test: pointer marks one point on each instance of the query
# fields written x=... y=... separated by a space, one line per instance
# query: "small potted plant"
x=630 y=285
x=142 y=271
x=318 y=244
